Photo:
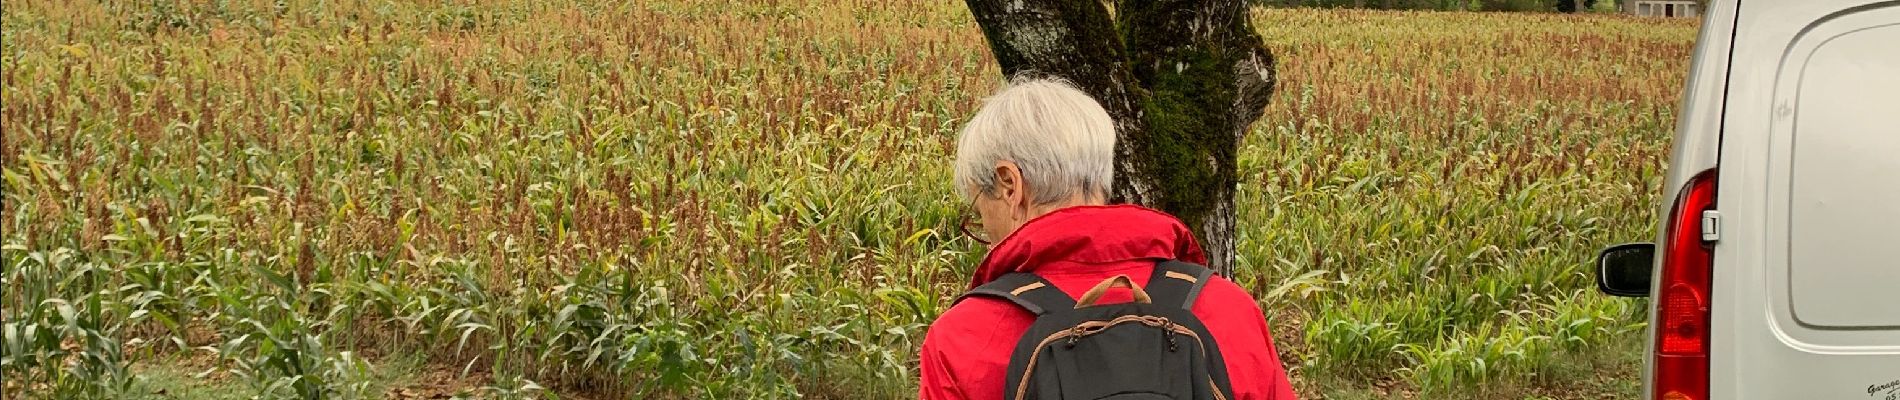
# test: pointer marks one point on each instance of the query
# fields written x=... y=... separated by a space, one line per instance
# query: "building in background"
x=1663 y=8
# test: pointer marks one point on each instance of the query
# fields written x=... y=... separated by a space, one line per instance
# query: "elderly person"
x=1036 y=163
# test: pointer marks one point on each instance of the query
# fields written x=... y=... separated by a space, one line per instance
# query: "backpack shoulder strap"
x=1027 y=290
x=1177 y=283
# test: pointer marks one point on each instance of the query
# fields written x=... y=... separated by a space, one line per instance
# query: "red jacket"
x=967 y=350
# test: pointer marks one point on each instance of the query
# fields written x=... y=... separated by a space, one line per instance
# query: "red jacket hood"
x=1081 y=236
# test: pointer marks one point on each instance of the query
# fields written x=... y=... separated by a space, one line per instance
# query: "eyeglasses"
x=973 y=234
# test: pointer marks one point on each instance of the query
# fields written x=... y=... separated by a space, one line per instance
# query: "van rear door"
x=1807 y=269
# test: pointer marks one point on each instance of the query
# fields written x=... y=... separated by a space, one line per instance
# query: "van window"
x=1844 y=191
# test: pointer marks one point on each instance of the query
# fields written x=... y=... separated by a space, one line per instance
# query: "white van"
x=1778 y=273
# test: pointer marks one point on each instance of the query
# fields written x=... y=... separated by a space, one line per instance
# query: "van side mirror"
x=1624 y=270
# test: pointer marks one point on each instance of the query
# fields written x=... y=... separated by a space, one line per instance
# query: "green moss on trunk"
x=1186 y=143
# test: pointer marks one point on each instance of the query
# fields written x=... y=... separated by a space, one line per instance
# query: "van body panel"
x=1843 y=80
x=1806 y=193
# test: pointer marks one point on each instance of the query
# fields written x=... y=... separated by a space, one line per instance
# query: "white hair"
x=1061 y=139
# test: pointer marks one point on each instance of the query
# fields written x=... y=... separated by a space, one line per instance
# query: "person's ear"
x=1010 y=189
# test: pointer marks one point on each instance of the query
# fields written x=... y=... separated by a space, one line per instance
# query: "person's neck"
x=1078 y=200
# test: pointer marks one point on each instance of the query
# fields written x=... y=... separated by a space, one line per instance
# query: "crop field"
x=751 y=199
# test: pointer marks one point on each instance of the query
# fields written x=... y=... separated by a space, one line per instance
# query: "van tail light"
x=1682 y=330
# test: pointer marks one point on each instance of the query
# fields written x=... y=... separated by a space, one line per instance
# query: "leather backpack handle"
x=1095 y=293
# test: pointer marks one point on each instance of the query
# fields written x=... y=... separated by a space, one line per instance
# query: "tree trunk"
x=1184 y=80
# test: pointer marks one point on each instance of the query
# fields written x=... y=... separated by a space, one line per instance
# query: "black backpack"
x=1151 y=348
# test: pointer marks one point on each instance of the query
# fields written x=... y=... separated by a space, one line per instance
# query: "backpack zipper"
x=1093 y=327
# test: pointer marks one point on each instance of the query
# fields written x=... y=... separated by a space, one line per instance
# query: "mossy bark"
x=1184 y=80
